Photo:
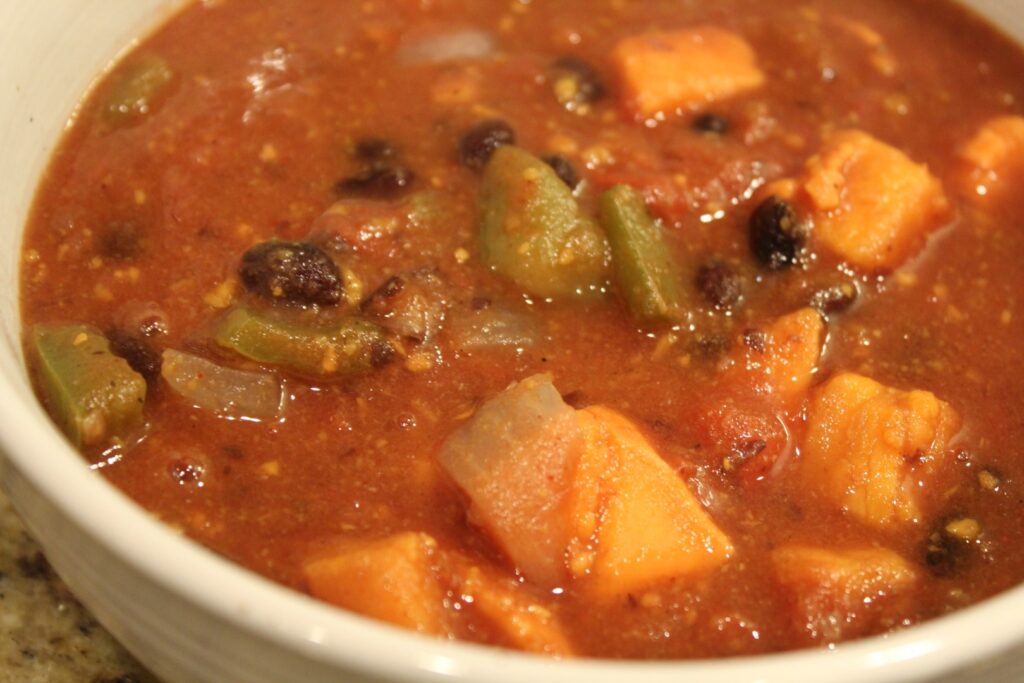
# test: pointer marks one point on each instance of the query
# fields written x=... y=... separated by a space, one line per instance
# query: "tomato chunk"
x=763 y=386
x=780 y=360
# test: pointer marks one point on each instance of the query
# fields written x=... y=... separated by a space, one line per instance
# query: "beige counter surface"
x=46 y=636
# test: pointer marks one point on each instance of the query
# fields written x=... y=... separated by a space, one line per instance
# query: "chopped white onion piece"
x=230 y=393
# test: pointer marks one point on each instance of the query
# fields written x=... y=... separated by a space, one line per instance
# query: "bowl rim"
x=35 y=448
x=325 y=634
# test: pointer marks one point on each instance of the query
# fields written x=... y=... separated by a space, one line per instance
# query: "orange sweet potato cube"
x=866 y=443
x=997 y=143
x=404 y=580
x=687 y=68
x=836 y=594
x=636 y=521
x=995 y=150
x=870 y=203
x=520 y=622
x=393 y=580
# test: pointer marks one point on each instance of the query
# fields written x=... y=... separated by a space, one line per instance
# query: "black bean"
x=375 y=150
x=564 y=168
x=711 y=124
x=720 y=285
x=943 y=555
x=294 y=272
x=478 y=145
x=939 y=555
x=142 y=357
x=576 y=82
x=382 y=353
x=835 y=299
x=377 y=183
x=378 y=301
x=775 y=234
x=121 y=240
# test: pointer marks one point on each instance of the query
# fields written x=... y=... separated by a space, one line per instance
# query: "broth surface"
x=257 y=128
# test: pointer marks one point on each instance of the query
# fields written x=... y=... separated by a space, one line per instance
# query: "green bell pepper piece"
x=94 y=396
x=347 y=346
x=135 y=90
x=533 y=231
x=647 y=275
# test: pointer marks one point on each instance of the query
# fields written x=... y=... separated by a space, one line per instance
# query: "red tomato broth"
x=255 y=131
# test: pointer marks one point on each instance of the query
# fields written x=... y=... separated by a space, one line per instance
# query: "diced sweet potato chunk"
x=781 y=359
x=585 y=498
x=877 y=52
x=514 y=459
x=867 y=444
x=635 y=520
x=870 y=203
x=405 y=579
x=393 y=580
x=686 y=68
x=996 y=149
x=839 y=594
x=999 y=142
x=524 y=624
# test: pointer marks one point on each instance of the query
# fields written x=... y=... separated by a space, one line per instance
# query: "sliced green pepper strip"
x=95 y=397
x=533 y=231
x=134 y=92
x=348 y=346
x=647 y=275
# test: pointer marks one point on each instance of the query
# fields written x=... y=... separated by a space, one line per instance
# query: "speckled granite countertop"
x=46 y=636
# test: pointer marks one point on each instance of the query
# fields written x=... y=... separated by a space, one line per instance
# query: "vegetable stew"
x=629 y=330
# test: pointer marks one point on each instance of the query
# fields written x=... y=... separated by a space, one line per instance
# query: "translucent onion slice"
x=446 y=47
x=236 y=394
x=494 y=328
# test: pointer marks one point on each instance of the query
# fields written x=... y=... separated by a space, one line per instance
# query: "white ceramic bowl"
x=191 y=616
